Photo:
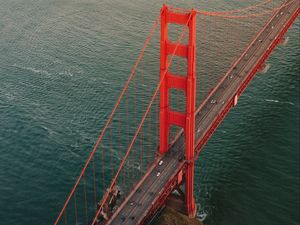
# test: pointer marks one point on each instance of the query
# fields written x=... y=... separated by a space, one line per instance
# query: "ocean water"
x=62 y=63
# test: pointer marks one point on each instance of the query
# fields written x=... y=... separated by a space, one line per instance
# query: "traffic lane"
x=149 y=196
x=145 y=193
x=126 y=208
x=150 y=180
x=160 y=187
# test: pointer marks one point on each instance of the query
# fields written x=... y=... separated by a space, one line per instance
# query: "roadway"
x=139 y=202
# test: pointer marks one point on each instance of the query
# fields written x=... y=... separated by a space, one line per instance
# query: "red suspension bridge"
x=190 y=73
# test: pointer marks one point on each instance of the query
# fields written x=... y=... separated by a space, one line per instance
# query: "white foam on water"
x=50 y=131
x=277 y=101
x=67 y=73
x=32 y=69
x=290 y=103
x=271 y=100
x=202 y=215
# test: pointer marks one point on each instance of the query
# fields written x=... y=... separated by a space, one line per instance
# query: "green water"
x=62 y=63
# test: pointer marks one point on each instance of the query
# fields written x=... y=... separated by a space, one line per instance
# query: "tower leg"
x=190 y=117
x=189 y=192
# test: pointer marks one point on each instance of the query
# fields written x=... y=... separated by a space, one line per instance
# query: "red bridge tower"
x=186 y=83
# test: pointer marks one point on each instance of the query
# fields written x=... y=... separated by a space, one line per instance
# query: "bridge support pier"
x=187 y=83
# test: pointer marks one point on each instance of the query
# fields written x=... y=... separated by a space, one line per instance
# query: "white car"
x=160 y=162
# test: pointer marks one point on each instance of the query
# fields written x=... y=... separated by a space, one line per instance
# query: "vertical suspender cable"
x=95 y=181
x=75 y=208
x=85 y=198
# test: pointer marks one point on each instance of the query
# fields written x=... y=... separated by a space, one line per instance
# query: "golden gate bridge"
x=191 y=71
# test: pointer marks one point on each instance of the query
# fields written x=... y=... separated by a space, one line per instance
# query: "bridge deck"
x=139 y=202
